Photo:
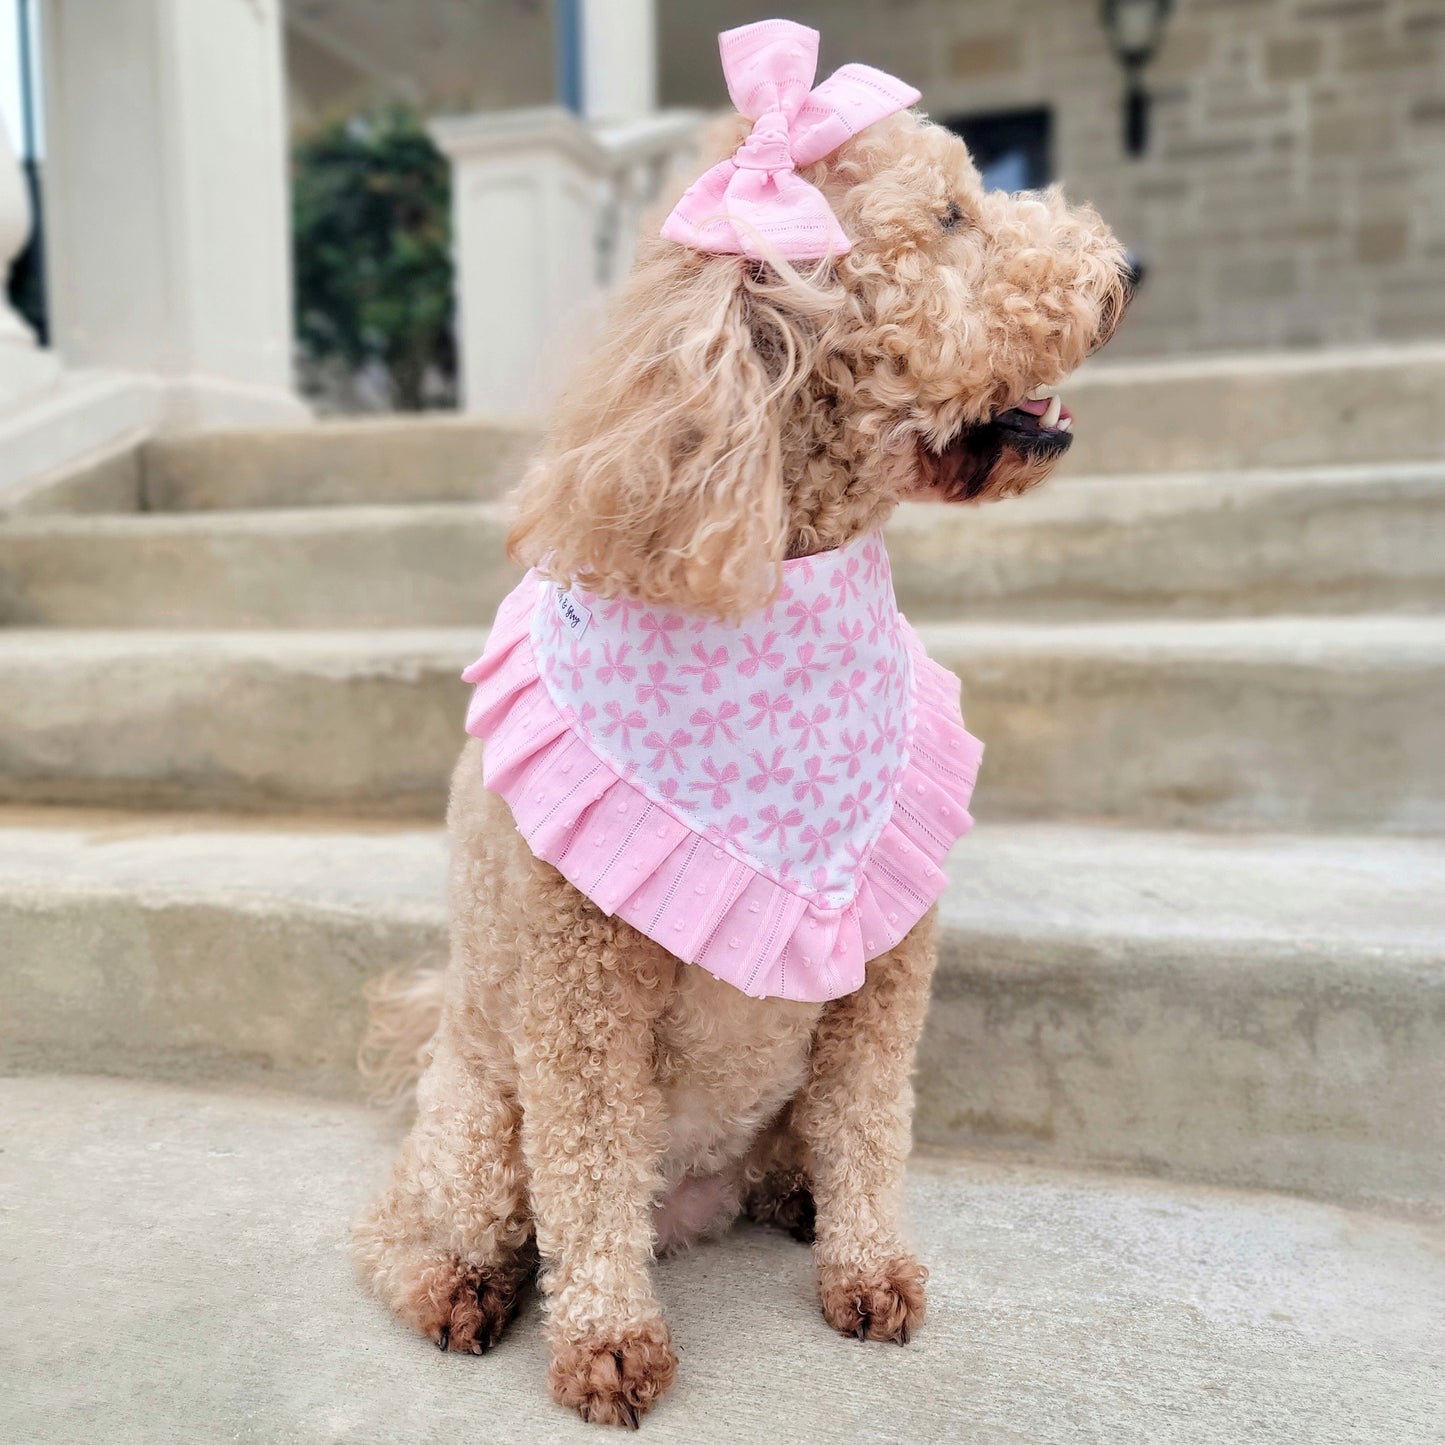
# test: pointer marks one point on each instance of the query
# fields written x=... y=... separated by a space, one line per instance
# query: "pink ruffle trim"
x=640 y=862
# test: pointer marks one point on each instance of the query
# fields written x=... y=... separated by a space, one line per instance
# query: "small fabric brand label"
x=575 y=617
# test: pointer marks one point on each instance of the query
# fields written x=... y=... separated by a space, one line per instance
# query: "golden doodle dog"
x=818 y=335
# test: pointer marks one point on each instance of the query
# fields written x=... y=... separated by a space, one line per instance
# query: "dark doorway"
x=25 y=289
x=1013 y=148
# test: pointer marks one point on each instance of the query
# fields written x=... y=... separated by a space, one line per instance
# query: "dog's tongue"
x=1040 y=409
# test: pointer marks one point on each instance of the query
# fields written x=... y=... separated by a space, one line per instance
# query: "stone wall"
x=1294 y=191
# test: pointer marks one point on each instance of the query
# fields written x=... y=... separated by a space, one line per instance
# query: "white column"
x=619 y=58
x=527 y=187
x=167 y=209
x=24 y=367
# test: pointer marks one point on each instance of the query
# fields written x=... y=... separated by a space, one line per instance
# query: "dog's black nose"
x=1135 y=270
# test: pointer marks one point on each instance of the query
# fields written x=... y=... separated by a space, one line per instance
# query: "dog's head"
x=736 y=412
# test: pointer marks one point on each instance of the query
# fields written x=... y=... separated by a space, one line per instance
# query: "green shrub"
x=371 y=200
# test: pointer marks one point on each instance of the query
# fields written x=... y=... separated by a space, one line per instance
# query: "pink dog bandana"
x=755 y=201
x=769 y=800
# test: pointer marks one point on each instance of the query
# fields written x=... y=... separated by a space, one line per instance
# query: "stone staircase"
x=1199 y=934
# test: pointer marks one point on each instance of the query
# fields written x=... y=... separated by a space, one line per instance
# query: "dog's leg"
x=447 y=1243
x=592 y=1134
x=854 y=1119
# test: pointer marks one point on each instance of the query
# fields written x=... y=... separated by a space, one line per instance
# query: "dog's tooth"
x=1039 y=393
x=1051 y=416
x=1066 y=423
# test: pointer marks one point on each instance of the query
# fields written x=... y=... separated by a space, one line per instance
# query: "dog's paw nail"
x=477 y=1309
x=614 y=1383
x=876 y=1304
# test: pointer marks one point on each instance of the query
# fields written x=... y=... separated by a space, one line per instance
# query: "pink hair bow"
x=755 y=201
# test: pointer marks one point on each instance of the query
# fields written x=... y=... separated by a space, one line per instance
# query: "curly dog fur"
x=588 y=1099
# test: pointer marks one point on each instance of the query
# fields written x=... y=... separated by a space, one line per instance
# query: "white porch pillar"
x=526 y=189
x=24 y=368
x=619 y=58
x=168 y=216
x=545 y=206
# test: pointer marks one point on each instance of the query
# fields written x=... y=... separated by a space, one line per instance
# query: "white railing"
x=545 y=213
x=641 y=154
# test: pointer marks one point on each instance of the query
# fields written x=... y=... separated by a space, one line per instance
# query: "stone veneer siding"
x=1294 y=191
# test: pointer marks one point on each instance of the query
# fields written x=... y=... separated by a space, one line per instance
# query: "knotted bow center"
x=755 y=203
x=768 y=148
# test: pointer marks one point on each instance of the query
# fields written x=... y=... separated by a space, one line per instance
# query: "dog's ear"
x=662 y=477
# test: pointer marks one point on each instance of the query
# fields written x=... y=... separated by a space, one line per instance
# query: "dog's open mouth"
x=1008 y=453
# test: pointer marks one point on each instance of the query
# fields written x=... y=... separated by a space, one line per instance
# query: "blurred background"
x=290 y=287
x=1279 y=163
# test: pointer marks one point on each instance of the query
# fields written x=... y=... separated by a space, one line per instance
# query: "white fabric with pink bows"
x=781 y=738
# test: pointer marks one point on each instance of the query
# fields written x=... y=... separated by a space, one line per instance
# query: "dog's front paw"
x=471 y=1317
x=614 y=1382
x=479 y=1310
x=881 y=1302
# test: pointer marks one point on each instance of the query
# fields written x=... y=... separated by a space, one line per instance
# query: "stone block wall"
x=1294 y=190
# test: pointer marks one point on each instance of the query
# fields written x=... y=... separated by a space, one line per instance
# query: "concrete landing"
x=174 y=1271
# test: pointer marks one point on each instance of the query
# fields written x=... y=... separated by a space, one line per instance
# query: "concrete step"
x=369 y=722
x=1281 y=409
x=1284 y=722
x=1062 y=1307
x=1211 y=413
x=196 y=947
x=1321 y=540
x=434 y=458
x=428 y=564
x=1303 y=541
x=1264 y=1011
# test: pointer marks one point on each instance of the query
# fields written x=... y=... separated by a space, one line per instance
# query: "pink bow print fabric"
x=755 y=201
x=770 y=799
